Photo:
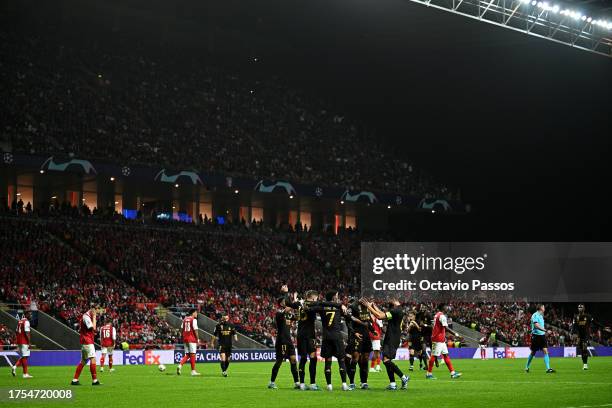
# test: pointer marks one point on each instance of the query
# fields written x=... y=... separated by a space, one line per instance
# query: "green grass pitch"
x=491 y=383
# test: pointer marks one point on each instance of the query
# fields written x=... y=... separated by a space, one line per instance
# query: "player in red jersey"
x=483 y=344
x=108 y=338
x=189 y=327
x=87 y=334
x=23 y=341
x=438 y=340
x=375 y=336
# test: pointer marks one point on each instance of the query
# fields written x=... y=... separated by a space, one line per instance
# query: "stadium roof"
x=581 y=24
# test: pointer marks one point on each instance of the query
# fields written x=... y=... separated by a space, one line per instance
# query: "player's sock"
x=25 y=364
x=192 y=360
x=448 y=363
x=110 y=362
x=102 y=361
x=184 y=359
x=92 y=370
x=275 y=369
x=432 y=360
x=390 y=371
x=294 y=372
x=227 y=364
x=222 y=365
x=363 y=371
x=342 y=368
x=529 y=360
x=328 y=365
x=312 y=369
x=547 y=361
x=397 y=369
x=352 y=369
x=373 y=363
x=585 y=358
x=411 y=360
x=77 y=373
x=18 y=363
x=301 y=369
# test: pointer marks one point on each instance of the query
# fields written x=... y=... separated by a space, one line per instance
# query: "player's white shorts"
x=23 y=350
x=191 y=347
x=482 y=347
x=438 y=349
x=376 y=345
x=107 y=350
x=88 y=351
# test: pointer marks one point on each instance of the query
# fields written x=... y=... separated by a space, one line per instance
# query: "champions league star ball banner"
x=493 y=271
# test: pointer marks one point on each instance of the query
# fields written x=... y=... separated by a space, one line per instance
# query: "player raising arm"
x=394 y=317
x=87 y=333
x=108 y=337
x=306 y=337
x=284 y=345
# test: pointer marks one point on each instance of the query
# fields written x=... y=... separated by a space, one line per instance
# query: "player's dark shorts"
x=416 y=344
x=306 y=345
x=538 y=342
x=365 y=345
x=225 y=349
x=389 y=351
x=284 y=351
x=351 y=345
x=332 y=348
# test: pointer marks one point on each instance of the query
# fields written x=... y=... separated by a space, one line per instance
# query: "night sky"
x=521 y=125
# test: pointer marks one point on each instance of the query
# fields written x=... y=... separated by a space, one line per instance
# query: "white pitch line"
x=592 y=406
x=461 y=380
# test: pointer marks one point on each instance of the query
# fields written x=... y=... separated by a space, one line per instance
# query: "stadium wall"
x=154 y=357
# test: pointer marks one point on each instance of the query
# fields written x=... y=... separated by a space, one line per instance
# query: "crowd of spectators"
x=36 y=267
x=7 y=337
x=216 y=269
x=231 y=269
x=129 y=104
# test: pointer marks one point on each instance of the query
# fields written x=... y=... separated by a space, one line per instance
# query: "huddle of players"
x=358 y=316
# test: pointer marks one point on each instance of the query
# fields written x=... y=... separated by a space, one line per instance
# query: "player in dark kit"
x=359 y=343
x=582 y=328
x=225 y=332
x=426 y=331
x=332 y=344
x=307 y=340
x=391 y=342
x=284 y=345
x=415 y=341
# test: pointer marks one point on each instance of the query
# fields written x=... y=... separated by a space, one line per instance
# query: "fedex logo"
x=504 y=353
x=147 y=357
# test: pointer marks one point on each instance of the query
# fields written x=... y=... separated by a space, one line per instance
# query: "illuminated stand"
x=552 y=20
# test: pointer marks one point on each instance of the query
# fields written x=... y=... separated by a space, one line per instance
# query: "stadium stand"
x=211 y=267
x=36 y=267
x=78 y=98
